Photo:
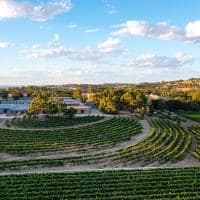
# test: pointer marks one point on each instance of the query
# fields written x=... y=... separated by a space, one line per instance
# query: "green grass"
x=195 y=116
x=163 y=184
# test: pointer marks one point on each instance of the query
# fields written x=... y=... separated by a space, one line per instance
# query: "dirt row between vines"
x=86 y=168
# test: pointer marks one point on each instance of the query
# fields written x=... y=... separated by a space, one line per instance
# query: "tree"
x=4 y=93
x=108 y=101
x=43 y=103
x=16 y=94
x=77 y=94
x=133 y=99
x=69 y=112
x=196 y=96
x=108 y=105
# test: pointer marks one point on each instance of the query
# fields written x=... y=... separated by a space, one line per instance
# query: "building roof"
x=80 y=107
x=14 y=107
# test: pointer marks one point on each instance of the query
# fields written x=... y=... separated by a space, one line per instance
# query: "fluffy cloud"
x=111 y=45
x=161 y=30
x=4 y=45
x=154 y=61
x=35 y=12
x=193 y=30
x=52 y=51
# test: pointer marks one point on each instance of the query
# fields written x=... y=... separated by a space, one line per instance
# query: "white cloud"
x=88 y=54
x=35 y=46
x=155 y=61
x=193 y=30
x=35 y=12
x=57 y=51
x=110 y=8
x=138 y=28
x=183 y=58
x=111 y=45
x=161 y=30
x=4 y=45
x=98 y=53
x=52 y=51
x=56 y=37
x=92 y=30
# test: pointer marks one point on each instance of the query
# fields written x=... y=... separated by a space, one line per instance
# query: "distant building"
x=23 y=100
x=71 y=102
x=15 y=107
x=80 y=107
x=156 y=97
x=153 y=97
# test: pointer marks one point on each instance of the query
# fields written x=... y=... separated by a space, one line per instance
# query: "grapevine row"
x=104 y=185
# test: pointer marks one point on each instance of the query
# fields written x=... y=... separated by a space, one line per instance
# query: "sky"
x=98 y=41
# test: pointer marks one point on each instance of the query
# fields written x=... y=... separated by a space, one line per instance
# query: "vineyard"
x=31 y=122
x=196 y=132
x=195 y=116
x=167 y=143
x=117 y=142
x=99 y=135
x=104 y=185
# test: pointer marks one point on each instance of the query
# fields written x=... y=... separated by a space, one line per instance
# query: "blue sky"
x=97 y=41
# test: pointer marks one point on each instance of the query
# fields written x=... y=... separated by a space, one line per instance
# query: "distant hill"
x=178 y=85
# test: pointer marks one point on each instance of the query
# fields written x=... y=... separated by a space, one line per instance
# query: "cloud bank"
x=161 y=30
x=106 y=48
x=4 y=45
x=36 y=12
x=156 y=61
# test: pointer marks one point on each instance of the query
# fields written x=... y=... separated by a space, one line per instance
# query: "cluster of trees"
x=112 y=100
x=45 y=103
x=174 y=105
x=33 y=91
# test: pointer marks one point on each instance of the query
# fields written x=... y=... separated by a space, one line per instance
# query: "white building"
x=80 y=107
x=71 y=102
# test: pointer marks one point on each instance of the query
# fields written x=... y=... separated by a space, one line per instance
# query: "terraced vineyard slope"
x=167 y=142
x=99 y=135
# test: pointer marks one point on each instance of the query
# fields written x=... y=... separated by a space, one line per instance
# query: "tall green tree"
x=77 y=94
